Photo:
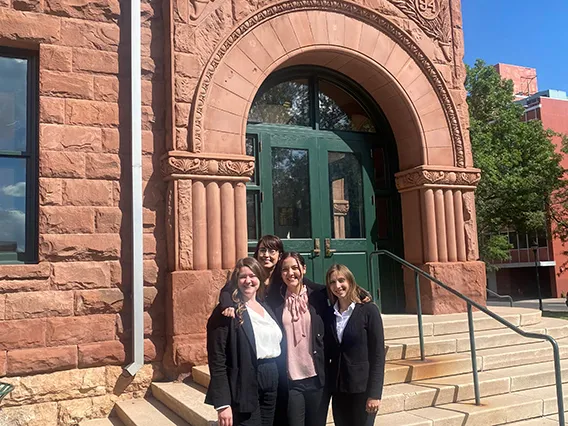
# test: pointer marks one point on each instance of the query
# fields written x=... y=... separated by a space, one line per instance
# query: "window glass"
x=285 y=103
x=290 y=185
x=12 y=205
x=13 y=103
x=346 y=190
x=338 y=110
x=253 y=214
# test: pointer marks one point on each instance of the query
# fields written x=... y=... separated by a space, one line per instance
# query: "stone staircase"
x=516 y=377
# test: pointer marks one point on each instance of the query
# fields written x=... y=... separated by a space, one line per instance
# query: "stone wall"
x=64 y=321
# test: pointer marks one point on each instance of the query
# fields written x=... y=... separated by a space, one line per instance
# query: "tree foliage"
x=521 y=171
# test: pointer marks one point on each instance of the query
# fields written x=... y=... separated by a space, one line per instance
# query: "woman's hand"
x=225 y=415
x=229 y=312
x=373 y=405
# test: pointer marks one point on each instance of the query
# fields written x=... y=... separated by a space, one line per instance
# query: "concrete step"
x=112 y=421
x=405 y=326
x=187 y=401
x=147 y=412
x=495 y=410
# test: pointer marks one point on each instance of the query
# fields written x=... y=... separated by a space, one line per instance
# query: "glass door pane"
x=291 y=193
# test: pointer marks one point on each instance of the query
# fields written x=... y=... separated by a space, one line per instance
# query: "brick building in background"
x=392 y=73
x=550 y=107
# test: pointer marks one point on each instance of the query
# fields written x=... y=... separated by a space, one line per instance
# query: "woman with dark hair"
x=268 y=251
x=355 y=351
x=242 y=353
x=301 y=305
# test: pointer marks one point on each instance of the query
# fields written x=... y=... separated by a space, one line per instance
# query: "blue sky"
x=521 y=32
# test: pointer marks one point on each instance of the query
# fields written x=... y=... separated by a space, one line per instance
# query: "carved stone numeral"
x=429 y=9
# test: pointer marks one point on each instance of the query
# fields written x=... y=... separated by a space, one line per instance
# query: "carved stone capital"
x=340 y=207
x=204 y=166
x=436 y=176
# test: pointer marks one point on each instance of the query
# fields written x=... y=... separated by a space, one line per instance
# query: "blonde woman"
x=242 y=352
x=355 y=351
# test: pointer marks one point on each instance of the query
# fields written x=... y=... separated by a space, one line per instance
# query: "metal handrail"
x=501 y=296
x=419 y=272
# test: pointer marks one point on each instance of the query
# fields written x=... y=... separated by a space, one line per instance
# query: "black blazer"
x=317 y=305
x=231 y=353
x=357 y=364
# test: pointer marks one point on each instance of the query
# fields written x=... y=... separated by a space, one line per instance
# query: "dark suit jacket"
x=357 y=364
x=231 y=353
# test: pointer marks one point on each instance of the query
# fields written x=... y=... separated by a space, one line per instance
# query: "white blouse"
x=267 y=335
x=342 y=318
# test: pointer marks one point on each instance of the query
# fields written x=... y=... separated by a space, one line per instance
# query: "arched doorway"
x=324 y=176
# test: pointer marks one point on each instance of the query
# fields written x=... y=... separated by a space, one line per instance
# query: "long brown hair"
x=258 y=270
x=354 y=289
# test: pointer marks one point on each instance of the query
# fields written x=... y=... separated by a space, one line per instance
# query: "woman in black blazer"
x=355 y=351
x=242 y=353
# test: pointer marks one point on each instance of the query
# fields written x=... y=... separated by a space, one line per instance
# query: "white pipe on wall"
x=137 y=226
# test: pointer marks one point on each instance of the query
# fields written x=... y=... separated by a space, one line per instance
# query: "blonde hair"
x=354 y=289
x=258 y=270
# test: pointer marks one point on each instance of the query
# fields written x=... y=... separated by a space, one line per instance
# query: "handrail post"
x=419 y=312
x=558 y=375
x=473 y=355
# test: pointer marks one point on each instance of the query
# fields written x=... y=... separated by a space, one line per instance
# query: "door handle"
x=317 y=248
x=328 y=250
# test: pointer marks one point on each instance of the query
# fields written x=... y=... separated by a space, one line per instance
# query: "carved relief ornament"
x=184 y=165
x=355 y=11
x=424 y=177
x=432 y=17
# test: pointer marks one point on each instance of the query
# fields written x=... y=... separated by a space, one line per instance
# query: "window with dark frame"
x=18 y=156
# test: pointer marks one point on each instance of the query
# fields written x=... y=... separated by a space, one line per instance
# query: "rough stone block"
x=111 y=140
x=78 y=330
x=31 y=415
x=153 y=349
x=91 y=10
x=12 y=286
x=90 y=35
x=103 y=166
x=35 y=28
x=41 y=360
x=182 y=114
x=70 y=138
x=51 y=110
x=80 y=247
x=91 y=113
x=50 y=192
x=57 y=386
x=106 y=88
x=108 y=220
x=95 y=61
x=66 y=85
x=2 y=363
x=81 y=275
x=41 y=270
x=22 y=334
x=67 y=220
x=187 y=65
x=153 y=93
x=28 y=5
x=75 y=411
x=87 y=193
x=98 y=301
x=39 y=304
x=60 y=164
x=184 y=89
x=103 y=353
x=141 y=382
x=466 y=277
x=55 y=58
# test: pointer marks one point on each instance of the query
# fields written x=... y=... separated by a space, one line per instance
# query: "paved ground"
x=553 y=305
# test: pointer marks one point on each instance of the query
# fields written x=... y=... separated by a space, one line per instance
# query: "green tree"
x=522 y=183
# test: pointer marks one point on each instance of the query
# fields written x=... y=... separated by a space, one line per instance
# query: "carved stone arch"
x=410 y=80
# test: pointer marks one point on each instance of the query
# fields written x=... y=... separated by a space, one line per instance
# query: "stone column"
x=440 y=236
x=207 y=233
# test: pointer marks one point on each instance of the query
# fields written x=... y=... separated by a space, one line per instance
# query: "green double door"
x=317 y=192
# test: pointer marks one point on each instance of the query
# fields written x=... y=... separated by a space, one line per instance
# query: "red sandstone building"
x=340 y=126
x=518 y=277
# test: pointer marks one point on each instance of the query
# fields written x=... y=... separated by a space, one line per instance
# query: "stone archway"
x=207 y=194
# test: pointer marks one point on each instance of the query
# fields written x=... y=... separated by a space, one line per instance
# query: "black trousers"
x=349 y=409
x=267 y=389
x=307 y=403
